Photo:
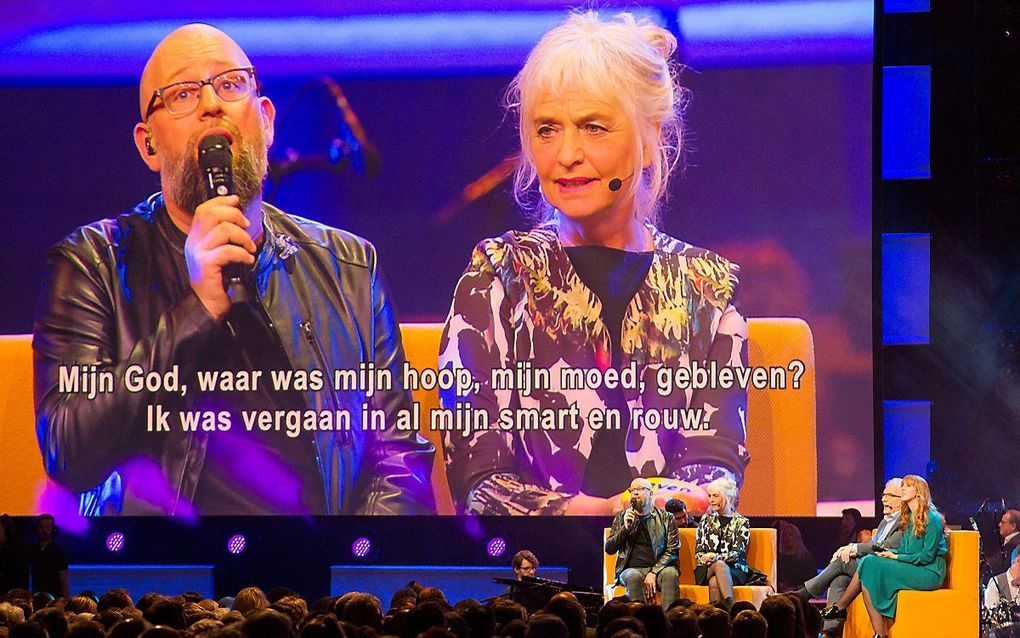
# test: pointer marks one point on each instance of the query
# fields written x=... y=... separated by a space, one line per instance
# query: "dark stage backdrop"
x=779 y=180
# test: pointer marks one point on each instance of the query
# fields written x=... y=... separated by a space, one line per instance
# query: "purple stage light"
x=496 y=547
x=237 y=544
x=115 y=542
x=361 y=547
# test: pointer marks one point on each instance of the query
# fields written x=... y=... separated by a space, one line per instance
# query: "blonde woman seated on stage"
x=720 y=556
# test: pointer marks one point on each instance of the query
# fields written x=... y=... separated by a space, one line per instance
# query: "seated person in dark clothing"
x=14 y=559
x=795 y=562
x=646 y=542
x=49 y=562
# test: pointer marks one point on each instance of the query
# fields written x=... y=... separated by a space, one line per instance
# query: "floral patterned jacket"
x=729 y=542
x=520 y=300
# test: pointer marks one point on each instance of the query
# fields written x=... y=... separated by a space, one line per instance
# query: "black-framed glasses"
x=181 y=98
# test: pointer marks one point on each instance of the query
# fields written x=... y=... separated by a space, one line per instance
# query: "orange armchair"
x=951 y=610
x=781 y=478
x=761 y=555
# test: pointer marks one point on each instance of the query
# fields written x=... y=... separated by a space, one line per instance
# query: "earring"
x=148 y=146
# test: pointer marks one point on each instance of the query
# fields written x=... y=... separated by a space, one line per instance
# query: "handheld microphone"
x=973 y=524
x=616 y=183
x=216 y=161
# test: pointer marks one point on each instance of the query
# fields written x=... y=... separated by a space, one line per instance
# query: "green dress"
x=920 y=564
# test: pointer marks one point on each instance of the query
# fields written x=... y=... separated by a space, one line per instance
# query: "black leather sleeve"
x=83 y=439
x=396 y=474
x=672 y=550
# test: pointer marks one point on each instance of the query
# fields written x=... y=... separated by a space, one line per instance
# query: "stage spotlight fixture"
x=496 y=547
x=361 y=547
x=115 y=542
x=237 y=544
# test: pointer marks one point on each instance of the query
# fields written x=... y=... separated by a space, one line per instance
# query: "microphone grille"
x=615 y=184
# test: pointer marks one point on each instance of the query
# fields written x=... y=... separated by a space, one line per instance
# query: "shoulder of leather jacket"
x=345 y=246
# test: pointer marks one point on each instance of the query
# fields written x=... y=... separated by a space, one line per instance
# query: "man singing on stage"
x=646 y=543
x=145 y=295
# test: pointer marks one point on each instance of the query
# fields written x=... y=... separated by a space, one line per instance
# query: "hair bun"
x=658 y=38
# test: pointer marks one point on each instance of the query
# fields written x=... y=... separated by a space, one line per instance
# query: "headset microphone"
x=616 y=183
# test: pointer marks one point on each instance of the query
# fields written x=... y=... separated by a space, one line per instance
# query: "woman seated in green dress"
x=919 y=563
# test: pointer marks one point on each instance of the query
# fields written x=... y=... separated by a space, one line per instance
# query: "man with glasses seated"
x=140 y=299
x=837 y=574
x=646 y=544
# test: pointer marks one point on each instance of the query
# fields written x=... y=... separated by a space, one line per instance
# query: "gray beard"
x=186 y=182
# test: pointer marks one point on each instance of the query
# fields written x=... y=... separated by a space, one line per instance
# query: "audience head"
x=546 y=626
x=147 y=600
x=683 y=622
x=293 y=606
x=128 y=628
x=749 y=624
x=654 y=619
x=481 y=622
x=434 y=595
x=109 y=617
x=780 y=614
x=267 y=623
x=80 y=605
x=516 y=628
x=739 y=606
x=322 y=626
x=405 y=598
x=27 y=629
x=363 y=610
x=86 y=629
x=166 y=612
x=41 y=599
x=53 y=620
x=568 y=610
x=610 y=611
x=114 y=599
x=455 y=623
x=428 y=614
x=249 y=600
x=714 y=623
x=505 y=610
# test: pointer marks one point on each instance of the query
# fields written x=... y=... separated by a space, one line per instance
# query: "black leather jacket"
x=662 y=533
x=114 y=298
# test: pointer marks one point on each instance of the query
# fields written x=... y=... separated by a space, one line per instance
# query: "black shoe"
x=833 y=613
x=804 y=594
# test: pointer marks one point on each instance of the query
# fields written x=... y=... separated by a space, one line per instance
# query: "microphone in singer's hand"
x=216 y=161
